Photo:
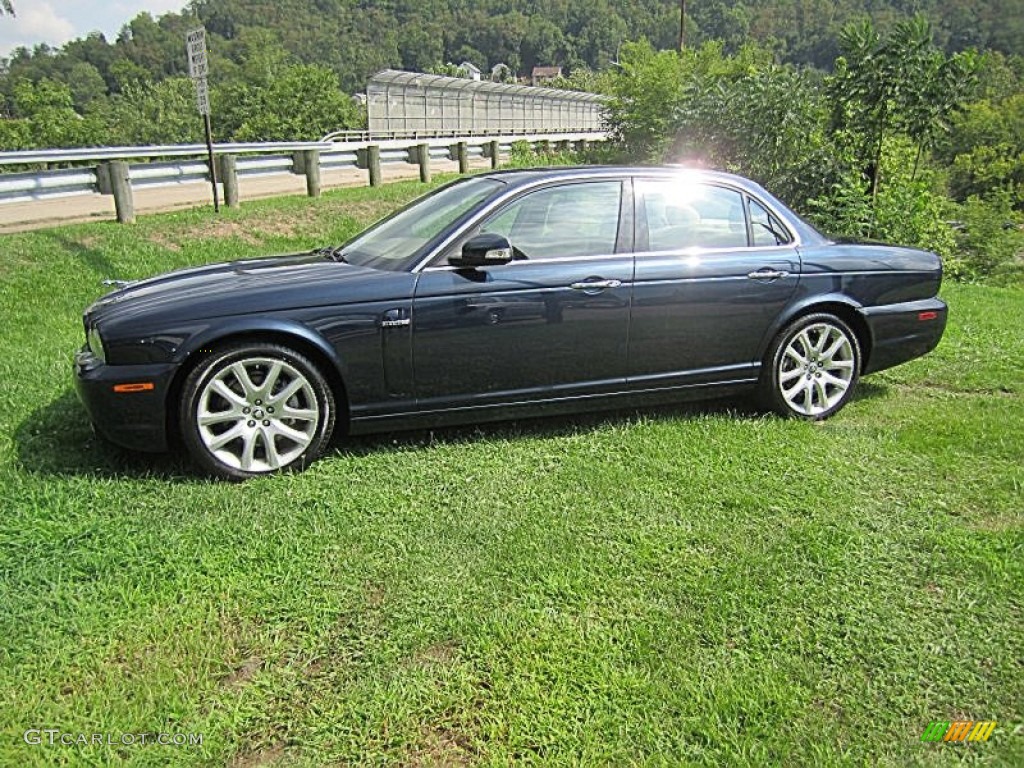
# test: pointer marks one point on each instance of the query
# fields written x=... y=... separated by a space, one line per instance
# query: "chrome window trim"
x=623 y=175
x=685 y=253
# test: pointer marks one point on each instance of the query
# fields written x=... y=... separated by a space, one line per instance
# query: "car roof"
x=517 y=176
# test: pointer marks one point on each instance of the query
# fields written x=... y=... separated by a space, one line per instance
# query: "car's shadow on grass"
x=58 y=440
x=538 y=426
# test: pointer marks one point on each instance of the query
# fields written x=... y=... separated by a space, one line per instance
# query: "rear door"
x=714 y=268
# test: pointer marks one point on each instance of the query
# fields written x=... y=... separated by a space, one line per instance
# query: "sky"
x=57 y=21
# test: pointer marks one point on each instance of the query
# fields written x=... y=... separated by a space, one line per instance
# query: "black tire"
x=822 y=385
x=264 y=426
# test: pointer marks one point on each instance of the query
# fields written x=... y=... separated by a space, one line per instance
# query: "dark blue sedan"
x=505 y=295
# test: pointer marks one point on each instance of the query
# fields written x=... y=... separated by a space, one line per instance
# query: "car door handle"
x=768 y=274
x=595 y=285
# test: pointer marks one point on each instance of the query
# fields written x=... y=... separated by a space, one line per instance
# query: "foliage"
x=744 y=114
x=986 y=149
x=647 y=90
x=898 y=83
x=301 y=102
x=908 y=210
x=525 y=156
x=992 y=237
x=583 y=79
x=448 y=70
x=47 y=108
x=357 y=39
x=155 y=113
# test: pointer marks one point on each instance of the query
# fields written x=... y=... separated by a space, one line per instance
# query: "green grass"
x=683 y=586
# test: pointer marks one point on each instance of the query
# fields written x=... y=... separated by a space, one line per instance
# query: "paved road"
x=19 y=217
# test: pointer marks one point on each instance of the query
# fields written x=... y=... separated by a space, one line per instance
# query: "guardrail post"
x=460 y=152
x=581 y=145
x=229 y=177
x=423 y=156
x=543 y=147
x=116 y=175
x=311 y=166
x=493 y=151
x=369 y=158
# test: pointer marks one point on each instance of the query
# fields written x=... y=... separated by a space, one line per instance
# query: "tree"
x=6 y=7
x=154 y=113
x=300 y=103
x=647 y=90
x=88 y=88
x=47 y=107
x=421 y=47
x=895 y=84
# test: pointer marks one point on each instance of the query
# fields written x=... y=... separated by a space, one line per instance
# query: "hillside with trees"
x=280 y=70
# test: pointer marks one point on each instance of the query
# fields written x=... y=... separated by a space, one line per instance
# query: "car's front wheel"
x=251 y=409
x=811 y=368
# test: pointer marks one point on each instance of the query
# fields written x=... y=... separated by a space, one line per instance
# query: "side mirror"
x=483 y=250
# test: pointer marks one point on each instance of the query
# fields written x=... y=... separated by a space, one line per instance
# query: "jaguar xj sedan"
x=500 y=296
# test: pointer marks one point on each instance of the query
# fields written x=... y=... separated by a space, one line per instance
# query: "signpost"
x=198 y=69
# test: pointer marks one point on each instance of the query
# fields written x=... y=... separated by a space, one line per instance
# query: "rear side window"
x=679 y=214
x=765 y=228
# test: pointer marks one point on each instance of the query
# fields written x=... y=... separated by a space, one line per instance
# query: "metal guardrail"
x=168 y=165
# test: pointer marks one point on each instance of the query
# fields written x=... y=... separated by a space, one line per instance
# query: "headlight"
x=92 y=338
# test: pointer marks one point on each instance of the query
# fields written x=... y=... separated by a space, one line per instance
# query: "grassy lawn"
x=684 y=586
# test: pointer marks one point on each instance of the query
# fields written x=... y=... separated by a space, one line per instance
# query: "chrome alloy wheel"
x=816 y=369
x=257 y=414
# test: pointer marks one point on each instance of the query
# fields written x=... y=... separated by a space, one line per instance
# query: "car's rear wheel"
x=811 y=368
x=252 y=409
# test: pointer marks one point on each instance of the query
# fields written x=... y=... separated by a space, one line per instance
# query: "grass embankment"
x=696 y=585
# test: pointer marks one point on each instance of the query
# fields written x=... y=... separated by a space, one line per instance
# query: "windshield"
x=395 y=242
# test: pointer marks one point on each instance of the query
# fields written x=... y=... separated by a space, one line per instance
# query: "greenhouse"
x=412 y=103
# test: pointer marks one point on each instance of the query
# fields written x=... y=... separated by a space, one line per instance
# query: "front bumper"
x=133 y=419
x=901 y=332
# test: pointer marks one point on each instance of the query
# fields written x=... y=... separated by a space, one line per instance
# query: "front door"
x=551 y=323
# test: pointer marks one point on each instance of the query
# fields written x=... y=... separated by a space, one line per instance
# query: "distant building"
x=472 y=70
x=541 y=75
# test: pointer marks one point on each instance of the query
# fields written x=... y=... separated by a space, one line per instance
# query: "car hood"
x=236 y=287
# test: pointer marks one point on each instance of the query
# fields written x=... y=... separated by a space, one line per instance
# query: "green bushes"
x=525 y=156
x=991 y=239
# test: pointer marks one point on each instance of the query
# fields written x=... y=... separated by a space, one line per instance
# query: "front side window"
x=580 y=219
x=679 y=214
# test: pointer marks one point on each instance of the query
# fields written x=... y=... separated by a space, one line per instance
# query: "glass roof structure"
x=417 y=103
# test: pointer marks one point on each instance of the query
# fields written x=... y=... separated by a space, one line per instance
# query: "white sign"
x=202 y=96
x=195 y=43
